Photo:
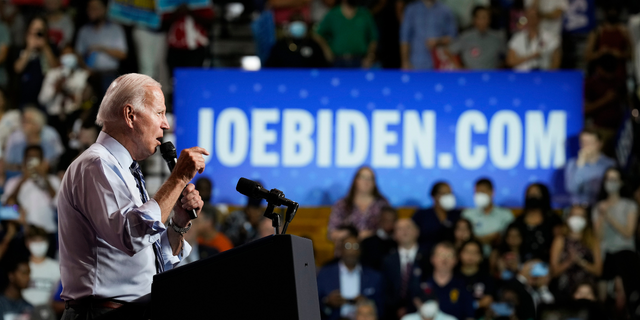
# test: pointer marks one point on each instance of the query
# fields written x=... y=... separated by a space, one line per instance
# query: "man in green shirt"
x=348 y=36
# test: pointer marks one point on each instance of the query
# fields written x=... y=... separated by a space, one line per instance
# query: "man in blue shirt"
x=583 y=175
x=451 y=291
x=427 y=24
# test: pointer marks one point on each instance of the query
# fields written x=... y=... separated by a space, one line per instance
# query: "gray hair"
x=38 y=115
x=130 y=89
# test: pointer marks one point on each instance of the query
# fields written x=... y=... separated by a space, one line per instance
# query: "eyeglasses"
x=352 y=246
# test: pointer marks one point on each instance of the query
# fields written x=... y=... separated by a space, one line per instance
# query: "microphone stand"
x=275 y=218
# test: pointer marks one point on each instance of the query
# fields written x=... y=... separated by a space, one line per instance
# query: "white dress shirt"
x=407 y=256
x=106 y=232
x=74 y=83
x=349 y=288
x=545 y=43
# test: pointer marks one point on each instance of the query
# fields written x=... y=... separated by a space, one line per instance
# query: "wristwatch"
x=178 y=229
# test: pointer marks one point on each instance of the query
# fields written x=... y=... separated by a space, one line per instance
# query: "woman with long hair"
x=462 y=232
x=474 y=271
x=360 y=208
x=505 y=261
x=575 y=255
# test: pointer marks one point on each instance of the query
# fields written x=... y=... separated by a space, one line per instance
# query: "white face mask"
x=447 y=201
x=69 y=61
x=481 y=200
x=429 y=309
x=612 y=187
x=39 y=249
x=577 y=223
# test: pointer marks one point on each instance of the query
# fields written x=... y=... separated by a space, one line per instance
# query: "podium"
x=270 y=278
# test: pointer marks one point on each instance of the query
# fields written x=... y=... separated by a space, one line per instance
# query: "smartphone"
x=539 y=270
x=502 y=309
x=9 y=213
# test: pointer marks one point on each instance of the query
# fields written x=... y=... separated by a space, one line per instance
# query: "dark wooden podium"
x=270 y=278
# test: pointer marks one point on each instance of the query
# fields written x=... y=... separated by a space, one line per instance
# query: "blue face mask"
x=298 y=29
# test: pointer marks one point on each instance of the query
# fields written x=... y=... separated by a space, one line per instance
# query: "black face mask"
x=533 y=203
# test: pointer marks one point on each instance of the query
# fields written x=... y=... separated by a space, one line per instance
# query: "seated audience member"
x=342 y=284
x=505 y=261
x=208 y=234
x=198 y=251
x=349 y=36
x=402 y=268
x=584 y=291
x=376 y=247
x=480 y=48
x=582 y=304
x=61 y=27
x=366 y=310
x=575 y=255
x=487 y=219
x=538 y=192
x=32 y=62
x=35 y=191
x=605 y=95
x=344 y=232
x=45 y=272
x=426 y=26
x=61 y=93
x=583 y=175
x=241 y=226
x=427 y=309
x=534 y=48
x=265 y=228
x=531 y=286
x=615 y=219
x=536 y=227
x=360 y=208
x=475 y=274
x=12 y=304
x=102 y=44
x=450 y=290
x=437 y=222
x=507 y=306
x=297 y=49
x=461 y=233
x=10 y=234
x=205 y=187
x=34 y=131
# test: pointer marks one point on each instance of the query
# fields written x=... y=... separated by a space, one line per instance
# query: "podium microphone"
x=274 y=197
x=168 y=151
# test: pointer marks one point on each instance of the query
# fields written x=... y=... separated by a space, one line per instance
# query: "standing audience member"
x=297 y=49
x=583 y=175
x=534 y=48
x=12 y=304
x=9 y=123
x=530 y=285
x=475 y=274
x=342 y=284
x=611 y=37
x=361 y=207
x=426 y=26
x=615 y=219
x=463 y=10
x=61 y=93
x=402 y=268
x=45 y=272
x=376 y=247
x=5 y=43
x=241 y=226
x=488 y=220
x=349 y=36
x=61 y=27
x=575 y=255
x=480 y=48
x=461 y=233
x=34 y=131
x=102 y=44
x=437 y=222
x=450 y=290
x=188 y=38
x=551 y=13
x=505 y=261
x=605 y=96
x=35 y=192
x=208 y=234
x=33 y=62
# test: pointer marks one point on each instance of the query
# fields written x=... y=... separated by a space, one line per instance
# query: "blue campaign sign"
x=306 y=132
x=580 y=16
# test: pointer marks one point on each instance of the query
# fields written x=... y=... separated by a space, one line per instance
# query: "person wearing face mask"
x=575 y=255
x=615 y=218
x=61 y=92
x=427 y=310
x=437 y=222
x=296 y=49
x=45 y=272
x=489 y=220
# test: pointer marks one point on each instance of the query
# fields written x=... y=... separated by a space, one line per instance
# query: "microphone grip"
x=192 y=213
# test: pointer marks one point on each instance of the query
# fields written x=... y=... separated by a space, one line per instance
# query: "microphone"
x=168 y=151
x=253 y=189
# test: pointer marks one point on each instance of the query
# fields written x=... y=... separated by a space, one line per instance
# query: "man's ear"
x=129 y=115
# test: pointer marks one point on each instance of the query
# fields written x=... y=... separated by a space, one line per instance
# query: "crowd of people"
x=57 y=61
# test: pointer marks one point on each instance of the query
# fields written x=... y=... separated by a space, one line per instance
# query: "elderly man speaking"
x=112 y=236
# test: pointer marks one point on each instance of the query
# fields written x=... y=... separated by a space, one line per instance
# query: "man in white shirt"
x=34 y=191
x=534 y=48
x=45 y=272
x=551 y=14
x=113 y=236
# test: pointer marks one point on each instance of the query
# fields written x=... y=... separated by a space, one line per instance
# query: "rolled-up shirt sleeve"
x=171 y=261
x=116 y=217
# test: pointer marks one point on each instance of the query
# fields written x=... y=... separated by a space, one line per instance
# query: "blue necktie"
x=137 y=174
